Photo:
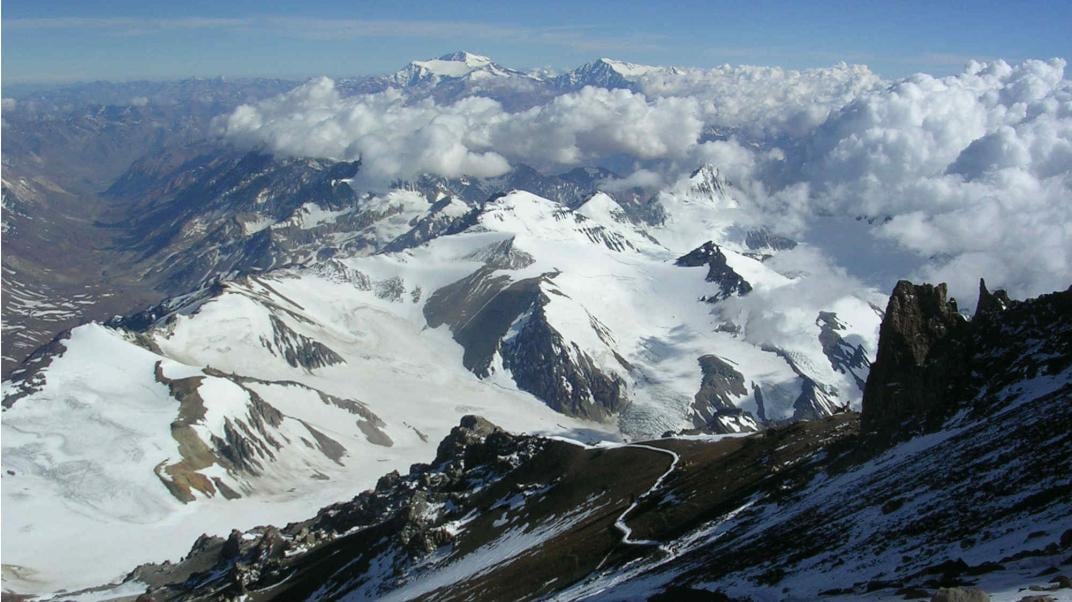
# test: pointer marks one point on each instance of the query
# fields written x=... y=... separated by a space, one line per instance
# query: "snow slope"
x=255 y=399
x=102 y=389
x=616 y=293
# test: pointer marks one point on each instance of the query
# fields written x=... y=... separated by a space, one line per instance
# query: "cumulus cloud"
x=971 y=173
x=763 y=101
x=642 y=178
x=665 y=121
x=474 y=136
x=392 y=138
x=593 y=123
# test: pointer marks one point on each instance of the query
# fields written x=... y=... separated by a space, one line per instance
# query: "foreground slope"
x=818 y=509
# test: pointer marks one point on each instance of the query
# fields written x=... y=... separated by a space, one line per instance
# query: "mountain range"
x=545 y=384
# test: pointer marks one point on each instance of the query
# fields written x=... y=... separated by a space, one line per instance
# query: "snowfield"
x=303 y=385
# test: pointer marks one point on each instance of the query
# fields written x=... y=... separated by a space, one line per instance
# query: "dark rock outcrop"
x=479 y=310
x=558 y=372
x=489 y=314
x=299 y=350
x=713 y=407
x=469 y=432
x=921 y=365
x=930 y=357
x=29 y=377
x=410 y=513
x=995 y=302
x=844 y=356
x=721 y=383
x=816 y=399
x=718 y=271
x=699 y=256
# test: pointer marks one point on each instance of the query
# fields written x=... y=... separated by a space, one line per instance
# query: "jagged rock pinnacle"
x=990 y=302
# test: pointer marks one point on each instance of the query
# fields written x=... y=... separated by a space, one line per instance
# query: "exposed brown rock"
x=921 y=365
x=960 y=594
x=559 y=372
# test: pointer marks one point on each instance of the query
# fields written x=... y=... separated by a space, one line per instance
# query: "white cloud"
x=975 y=171
x=641 y=178
x=764 y=101
x=393 y=139
x=474 y=136
x=972 y=173
x=594 y=123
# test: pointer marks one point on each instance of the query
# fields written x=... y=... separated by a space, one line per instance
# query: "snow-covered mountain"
x=254 y=399
x=603 y=73
x=454 y=76
x=198 y=212
x=65 y=145
x=887 y=504
x=462 y=74
x=332 y=367
x=455 y=65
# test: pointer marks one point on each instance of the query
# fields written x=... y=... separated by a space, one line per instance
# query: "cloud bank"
x=972 y=173
x=474 y=136
x=763 y=101
x=666 y=118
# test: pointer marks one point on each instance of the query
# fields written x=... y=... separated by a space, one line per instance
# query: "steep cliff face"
x=713 y=407
x=989 y=302
x=844 y=356
x=932 y=362
x=921 y=363
x=558 y=371
x=718 y=271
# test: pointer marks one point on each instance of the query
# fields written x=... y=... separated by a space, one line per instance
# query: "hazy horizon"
x=60 y=42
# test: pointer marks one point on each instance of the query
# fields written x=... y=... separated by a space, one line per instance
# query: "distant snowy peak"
x=707 y=181
x=461 y=56
x=602 y=208
x=627 y=69
x=704 y=189
x=455 y=65
x=599 y=221
x=603 y=73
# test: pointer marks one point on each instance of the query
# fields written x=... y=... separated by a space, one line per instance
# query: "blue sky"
x=60 y=41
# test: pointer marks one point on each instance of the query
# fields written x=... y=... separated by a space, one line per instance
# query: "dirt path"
x=627 y=532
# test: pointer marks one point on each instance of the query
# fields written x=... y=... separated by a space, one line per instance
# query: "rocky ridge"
x=980 y=502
